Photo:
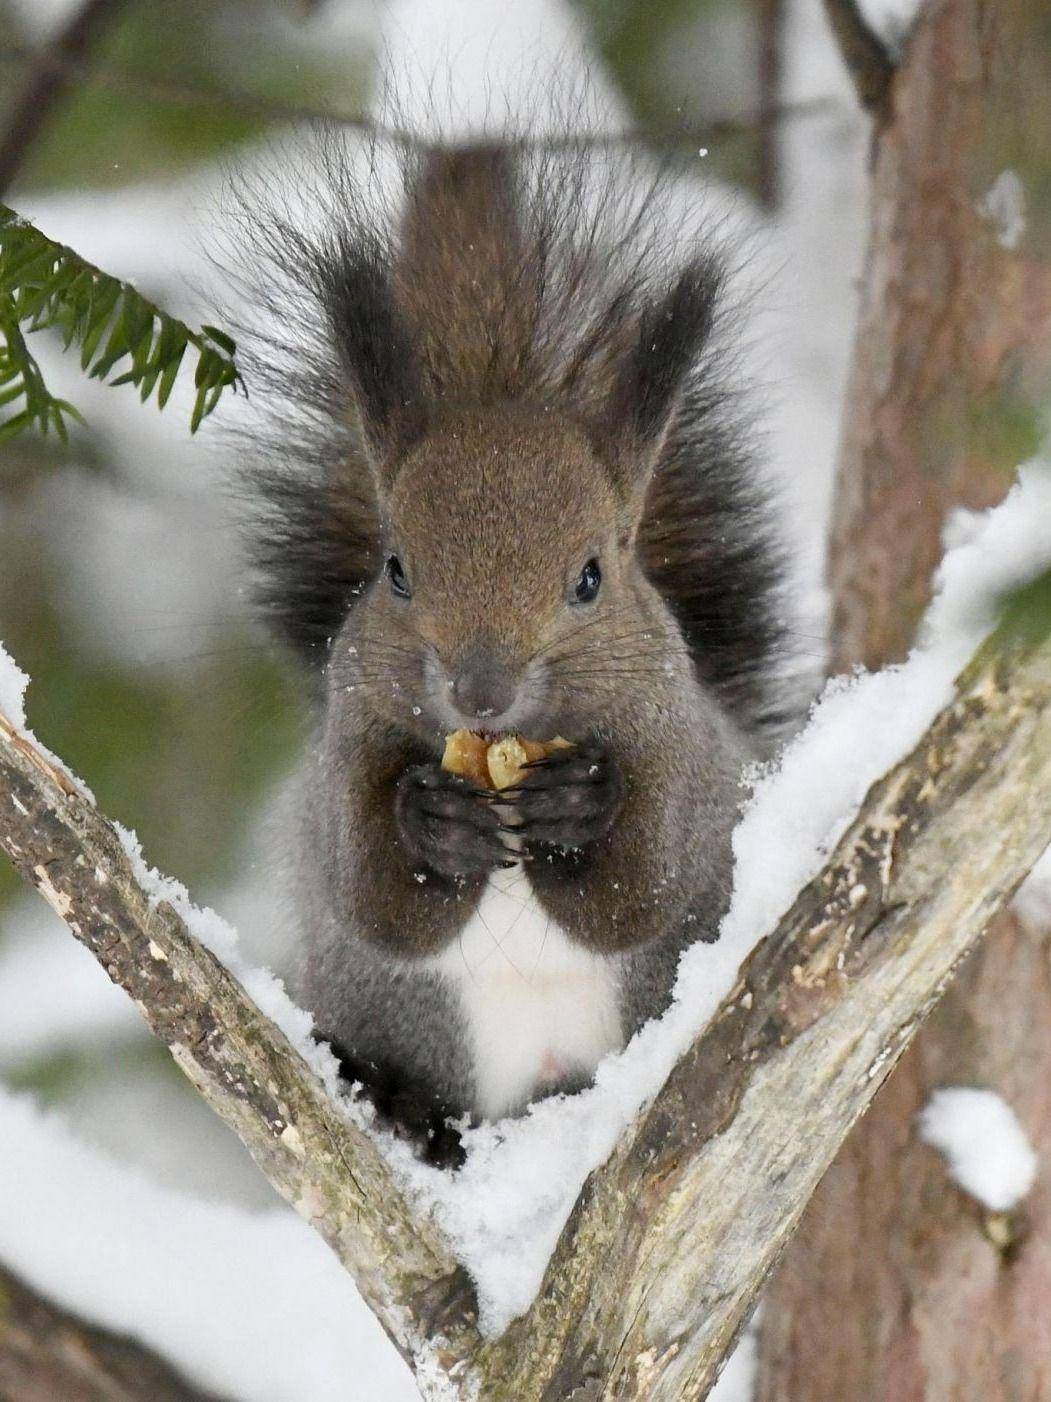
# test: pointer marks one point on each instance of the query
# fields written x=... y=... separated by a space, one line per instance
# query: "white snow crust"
x=13 y=683
x=892 y=19
x=1004 y=206
x=266 y=991
x=985 y=1147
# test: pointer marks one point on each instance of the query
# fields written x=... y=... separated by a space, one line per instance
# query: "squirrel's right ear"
x=376 y=352
x=670 y=335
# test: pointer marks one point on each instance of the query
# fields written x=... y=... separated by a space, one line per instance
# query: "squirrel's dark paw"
x=567 y=800
x=446 y=824
x=406 y=1108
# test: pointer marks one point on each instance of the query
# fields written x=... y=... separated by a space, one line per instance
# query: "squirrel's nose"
x=483 y=687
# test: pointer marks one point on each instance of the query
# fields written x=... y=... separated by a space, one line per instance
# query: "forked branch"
x=671 y=1239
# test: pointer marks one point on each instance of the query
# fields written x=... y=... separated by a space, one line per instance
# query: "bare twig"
x=48 y=80
x=46 y=1352
x=182 y=94
x=866 y=56
x=770 y=16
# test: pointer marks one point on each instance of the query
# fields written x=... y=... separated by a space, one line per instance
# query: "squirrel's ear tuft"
x=375 y=349
x=671 y=335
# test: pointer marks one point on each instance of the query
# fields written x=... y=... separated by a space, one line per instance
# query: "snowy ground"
x=252 y=1303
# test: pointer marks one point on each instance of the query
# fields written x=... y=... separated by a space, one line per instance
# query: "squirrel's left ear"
x=376 y=351
x=671 y=333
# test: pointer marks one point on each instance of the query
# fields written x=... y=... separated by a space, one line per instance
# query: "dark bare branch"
x=46 y=1354
x=48 y=80
x=182 y=94
x=866 y=56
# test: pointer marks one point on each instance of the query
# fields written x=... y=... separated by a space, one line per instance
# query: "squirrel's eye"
x=399 y=580
x=587 y=586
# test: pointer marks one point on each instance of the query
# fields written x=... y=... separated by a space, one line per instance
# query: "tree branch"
x=47 y=82
x=671 y=1239
x=866 y=56
x=243 y=1065
x=184 y=94
x=46 y=1352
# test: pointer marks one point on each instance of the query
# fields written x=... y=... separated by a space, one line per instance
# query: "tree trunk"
x=769 y=23
x=953 y=348
x=930 y=1297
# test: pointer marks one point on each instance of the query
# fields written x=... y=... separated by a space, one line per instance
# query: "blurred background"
x=120 y=585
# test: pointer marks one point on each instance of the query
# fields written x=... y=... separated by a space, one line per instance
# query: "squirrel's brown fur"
x=509 y=384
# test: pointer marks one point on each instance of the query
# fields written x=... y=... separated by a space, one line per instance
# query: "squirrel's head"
x=512 y=465
x=511 y=596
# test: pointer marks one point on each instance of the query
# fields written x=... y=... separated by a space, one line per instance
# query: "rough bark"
x=49 y=1355
x=244 y=1066
x=931 y=1298
x=953 y=349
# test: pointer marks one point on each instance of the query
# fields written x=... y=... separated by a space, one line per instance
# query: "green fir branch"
x=44 y=283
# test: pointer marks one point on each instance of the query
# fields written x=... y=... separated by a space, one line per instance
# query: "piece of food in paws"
x=508 y=757
x=499 y=765
x=465 y=754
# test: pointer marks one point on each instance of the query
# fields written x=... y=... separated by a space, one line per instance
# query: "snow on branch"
x=244 y=1065
x=669 y=1242
x=671 y=1237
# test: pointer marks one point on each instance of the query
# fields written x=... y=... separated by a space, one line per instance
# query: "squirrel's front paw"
x=567 y=800
x=446 y=824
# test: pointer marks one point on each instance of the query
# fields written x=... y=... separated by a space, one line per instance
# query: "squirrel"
x=512 y=494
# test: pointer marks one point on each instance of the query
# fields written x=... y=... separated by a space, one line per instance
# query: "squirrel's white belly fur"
x=538 y=1007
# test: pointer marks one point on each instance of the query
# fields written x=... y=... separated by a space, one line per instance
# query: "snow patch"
x=984 y=1146
x=892 y=20
x=13 y=683
x=1033 y=898
x=737 y=1380
x=1004 y=207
